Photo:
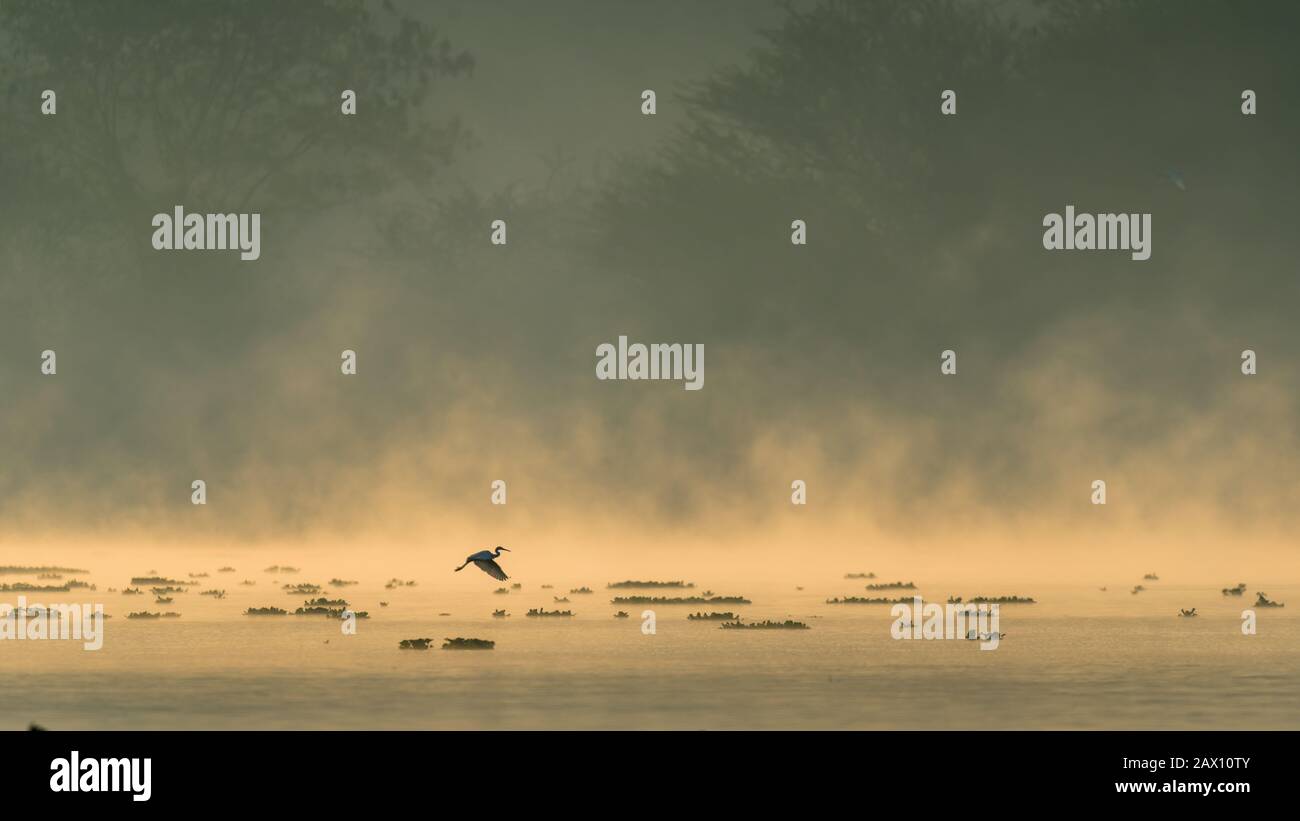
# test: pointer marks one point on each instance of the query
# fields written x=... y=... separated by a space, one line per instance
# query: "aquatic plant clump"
x=788 y=624
x=21 y=570
x=728 y=616
x=537 y=612
x=415 y=644
x=892 y=586
x=266 y=611
x=467 y=644
x=861 y=600
x=158 y=581
x=680 y=600
x=330 y=612
x=649 y=584
x=24 y=587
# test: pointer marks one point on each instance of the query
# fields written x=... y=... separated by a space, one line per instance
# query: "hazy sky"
x=566 y=76
x=477 y=362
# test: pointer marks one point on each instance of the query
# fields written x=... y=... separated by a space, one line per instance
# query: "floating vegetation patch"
x=392 y=583
x=622 y=614
x=892 y=586
x=415 y=644
x=652 y=584
x=467 y=644
x=680 y=600
x=248 y=583
x=301 y=589
x=225 y=569
x=22 y=570
x=342 y=582
x=500 y=614
x=24 y=587
x=277 y=568
x=164 y=600
x=38 y=612
x=502 y=591
x=728 y=616
x=861 y=600
x=561 y=599
x=537 y=612
x=216 y=594
x=1002 y=600
x=579 y=590
x=788 y=624
x=1234 y=591
x=49 y=575
x=330 y=612
x=1264 y=601
x=166 y=591
x=198 y=575
x=158 y=581
x=859 y=575
x=324 y=602
x=132 y=591
x=144 y=614
x=266 y=611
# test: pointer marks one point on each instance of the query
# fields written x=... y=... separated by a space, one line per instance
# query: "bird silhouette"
x=485 y=560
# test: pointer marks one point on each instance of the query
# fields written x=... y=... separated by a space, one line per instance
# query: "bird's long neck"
x=496 y=553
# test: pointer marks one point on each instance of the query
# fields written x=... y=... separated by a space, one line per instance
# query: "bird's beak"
x=506 y=549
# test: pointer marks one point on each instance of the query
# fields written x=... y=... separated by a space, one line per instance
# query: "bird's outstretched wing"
x=491 y=568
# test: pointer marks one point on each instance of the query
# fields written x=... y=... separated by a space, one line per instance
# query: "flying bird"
x=485 y=560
